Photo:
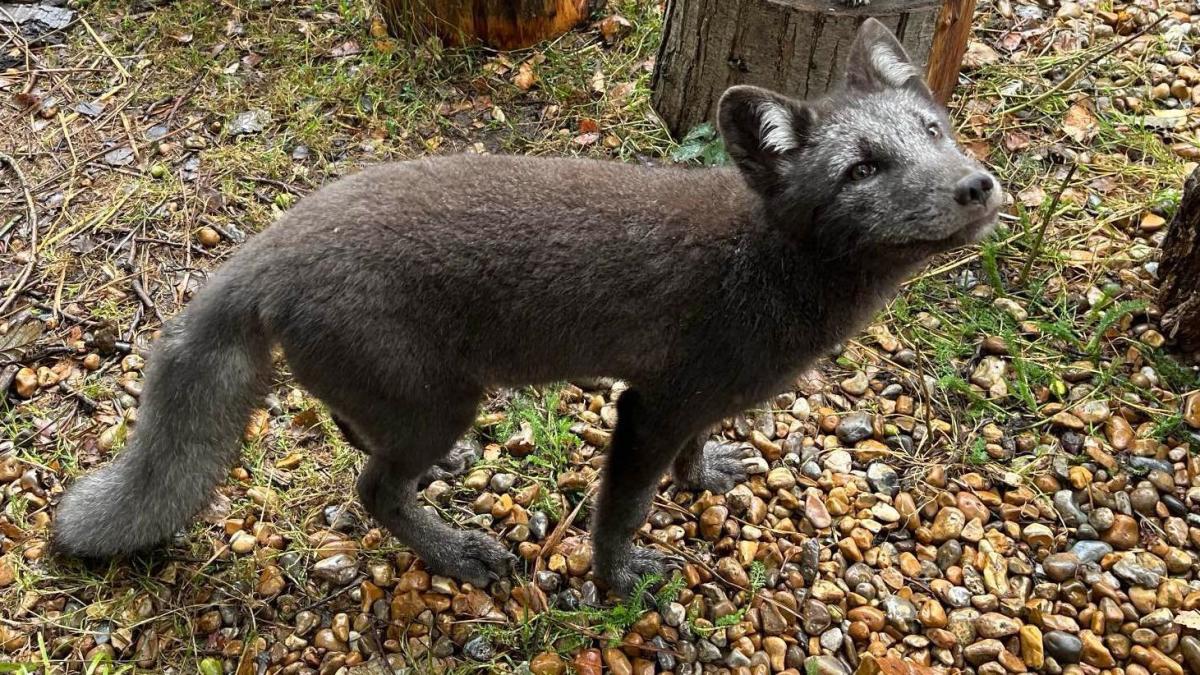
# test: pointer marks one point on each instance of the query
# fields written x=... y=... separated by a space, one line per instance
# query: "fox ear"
x=761 y=129
x=878 y=61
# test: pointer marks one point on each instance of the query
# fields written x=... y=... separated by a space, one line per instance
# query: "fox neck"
x=806 y=297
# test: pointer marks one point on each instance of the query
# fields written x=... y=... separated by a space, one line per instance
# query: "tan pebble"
x=815 y=511
x=25 y=383
x=587 y=662
x=547 y=663
x=208 y=237
x=712 y=522
x=242 y=542
x=948 y=524
x=1191 y=410
x=932 y=615
x=271 y=582
x=617 y=662
x=340 y=625
x=92 y=361
x=325 y=639
x=1124 y=534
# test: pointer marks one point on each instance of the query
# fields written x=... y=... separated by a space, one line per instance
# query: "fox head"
x=870 y=168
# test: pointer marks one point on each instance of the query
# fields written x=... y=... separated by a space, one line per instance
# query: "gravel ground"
x=1001 y=475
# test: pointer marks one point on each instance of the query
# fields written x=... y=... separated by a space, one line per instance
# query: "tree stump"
x=794 y=47
x=1179 y=271
x=501 y=24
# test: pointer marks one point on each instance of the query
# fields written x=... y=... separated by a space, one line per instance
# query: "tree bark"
x=1179 y=271
x=501 y=24
x=795 y=47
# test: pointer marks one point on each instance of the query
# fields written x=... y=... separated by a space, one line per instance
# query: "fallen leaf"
x=17 y=342
x=1079 y=123
x=1166 y=119
x=249 y=122
x=1016 y=140
x=1032 y=196
x=1011 y=41
x=979 y=55
x=979 y=149
x=1189 y=619
x=347 y=48
x=525 y=77
x=598 y=81
x=27 y=100
x=588 y=125
x=183 y=38
x=586 y=139
x=89 y=109
x=614 y=27
x=620 y=93
x=119 y=157
x=378 y=27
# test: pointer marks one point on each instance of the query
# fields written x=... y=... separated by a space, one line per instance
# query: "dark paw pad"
x=720 y=469
x=476 y=559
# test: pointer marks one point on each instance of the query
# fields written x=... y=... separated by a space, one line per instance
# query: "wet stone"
x=814 y=617
x=948 y=554
x=854 y=427
x=1062 y=647
x=883 y=478
x=339 y=569
x=1061 y=566
x=1091 y=551
x=1064 y=503
x=1101 y=518
x=479 y=648
x=900 y=614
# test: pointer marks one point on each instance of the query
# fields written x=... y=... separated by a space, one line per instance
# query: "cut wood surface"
x=796 y=47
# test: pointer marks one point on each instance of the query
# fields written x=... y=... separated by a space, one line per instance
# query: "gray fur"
x=401 y=293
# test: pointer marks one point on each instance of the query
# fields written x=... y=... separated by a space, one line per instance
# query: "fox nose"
x=974 y=189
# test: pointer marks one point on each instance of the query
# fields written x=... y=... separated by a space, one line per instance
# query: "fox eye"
x=863 y=170
x=933 y=129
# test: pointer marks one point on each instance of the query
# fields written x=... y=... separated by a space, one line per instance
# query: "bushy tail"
x=202 y=382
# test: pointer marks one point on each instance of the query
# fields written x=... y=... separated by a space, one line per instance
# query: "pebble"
x=1091 y=551
x=781 y=478
x=852 y=428
x=883 y=478
x=855 y=385
x=1061 y=566
x=1124 y=533
x=1062 y=647
x=338 y=569
x=838 y=461
x=816 y=512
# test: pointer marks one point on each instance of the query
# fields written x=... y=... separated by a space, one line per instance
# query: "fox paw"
x=718 y=469
x=623 y=575
x=476 y=559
